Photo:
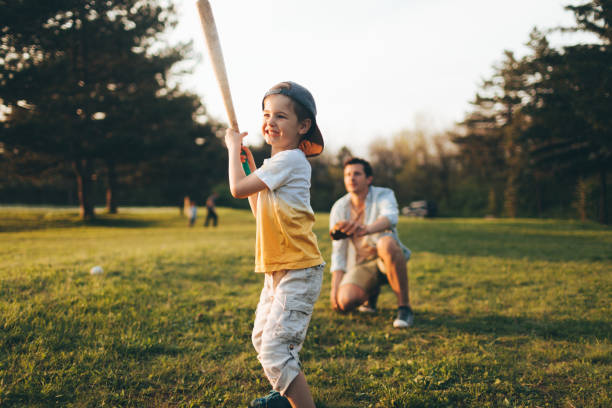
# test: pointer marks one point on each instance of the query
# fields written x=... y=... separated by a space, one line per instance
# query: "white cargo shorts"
x=281 y=321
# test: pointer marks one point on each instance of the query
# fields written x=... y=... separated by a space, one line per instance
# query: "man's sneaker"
x=272 y=400
x=369 y=306
x=366 y=308
x=404 y=318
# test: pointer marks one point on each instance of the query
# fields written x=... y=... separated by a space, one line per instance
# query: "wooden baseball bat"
x=216 y=58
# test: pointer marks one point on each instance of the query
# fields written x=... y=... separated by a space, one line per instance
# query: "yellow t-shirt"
x=284 y=217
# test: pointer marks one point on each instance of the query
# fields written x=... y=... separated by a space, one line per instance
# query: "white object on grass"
x=96 y=270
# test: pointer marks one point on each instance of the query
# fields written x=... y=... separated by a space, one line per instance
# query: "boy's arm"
x=252 y=167
x=241 y=185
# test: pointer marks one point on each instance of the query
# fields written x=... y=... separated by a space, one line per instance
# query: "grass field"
x=509 y=313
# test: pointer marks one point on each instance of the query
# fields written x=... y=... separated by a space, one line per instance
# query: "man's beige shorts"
x=368 y=275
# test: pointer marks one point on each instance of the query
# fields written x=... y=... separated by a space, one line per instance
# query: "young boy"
x=286 y=248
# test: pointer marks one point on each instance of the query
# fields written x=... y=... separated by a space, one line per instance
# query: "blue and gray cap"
x=312 y=144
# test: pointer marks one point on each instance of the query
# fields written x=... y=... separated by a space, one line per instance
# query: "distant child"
x=193 y=213
x=286 y=248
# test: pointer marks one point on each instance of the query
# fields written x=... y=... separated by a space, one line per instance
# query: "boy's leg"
x=298 y=393
x=285 y=329
x=261 y=313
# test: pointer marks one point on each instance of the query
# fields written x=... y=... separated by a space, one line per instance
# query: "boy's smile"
x=281 y=128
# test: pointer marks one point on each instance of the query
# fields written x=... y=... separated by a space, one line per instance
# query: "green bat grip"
x=245 y=163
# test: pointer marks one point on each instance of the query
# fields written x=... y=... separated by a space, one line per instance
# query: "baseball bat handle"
x=245 y=161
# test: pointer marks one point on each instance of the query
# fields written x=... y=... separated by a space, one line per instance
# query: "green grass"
x=508 y=313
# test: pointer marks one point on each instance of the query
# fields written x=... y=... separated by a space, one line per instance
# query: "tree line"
x=88 y=115
x=540 y=134
x=87 y=103
x=537 y=142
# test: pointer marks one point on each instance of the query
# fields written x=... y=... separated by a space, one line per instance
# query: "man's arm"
x=339 y=247
x=339 y=254
x=335 y=285
x=386 y=216
x=381 y=224
x=387 y=206
x=358 y=229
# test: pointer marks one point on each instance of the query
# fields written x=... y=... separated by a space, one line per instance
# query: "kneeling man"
x=366 y=250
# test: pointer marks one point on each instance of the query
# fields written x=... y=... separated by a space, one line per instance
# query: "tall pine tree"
x=572 y=101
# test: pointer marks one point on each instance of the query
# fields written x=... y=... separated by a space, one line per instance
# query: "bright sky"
x=374 y=67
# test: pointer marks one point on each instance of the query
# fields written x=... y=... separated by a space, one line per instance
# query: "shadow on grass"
x=122 y=223
x=106 y=221
x=546 y=328
x=528 y=240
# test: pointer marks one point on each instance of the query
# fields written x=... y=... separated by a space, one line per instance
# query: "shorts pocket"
x=294 y=321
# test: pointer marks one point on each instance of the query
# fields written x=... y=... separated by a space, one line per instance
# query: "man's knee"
x=350 y=296
x=388 y=248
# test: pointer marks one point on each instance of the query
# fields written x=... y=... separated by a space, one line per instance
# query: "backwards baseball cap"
x=312 y=144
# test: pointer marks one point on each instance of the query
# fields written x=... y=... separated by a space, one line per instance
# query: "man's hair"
x=367 y=169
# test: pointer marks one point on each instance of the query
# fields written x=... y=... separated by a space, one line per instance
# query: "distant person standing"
x=193 y=213
x=210 y=208
x=186 y=206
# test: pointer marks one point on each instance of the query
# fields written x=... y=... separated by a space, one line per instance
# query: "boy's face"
x=281 y=128
x=355 y=179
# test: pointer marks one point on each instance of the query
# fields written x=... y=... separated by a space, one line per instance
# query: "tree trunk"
x=82 y=168
x=581 y=199
x=492 y=203
x=111 y=188
x=538 y=194
x=445 y=171
x=603 y=198
x=510 y=196
x=512 y=173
